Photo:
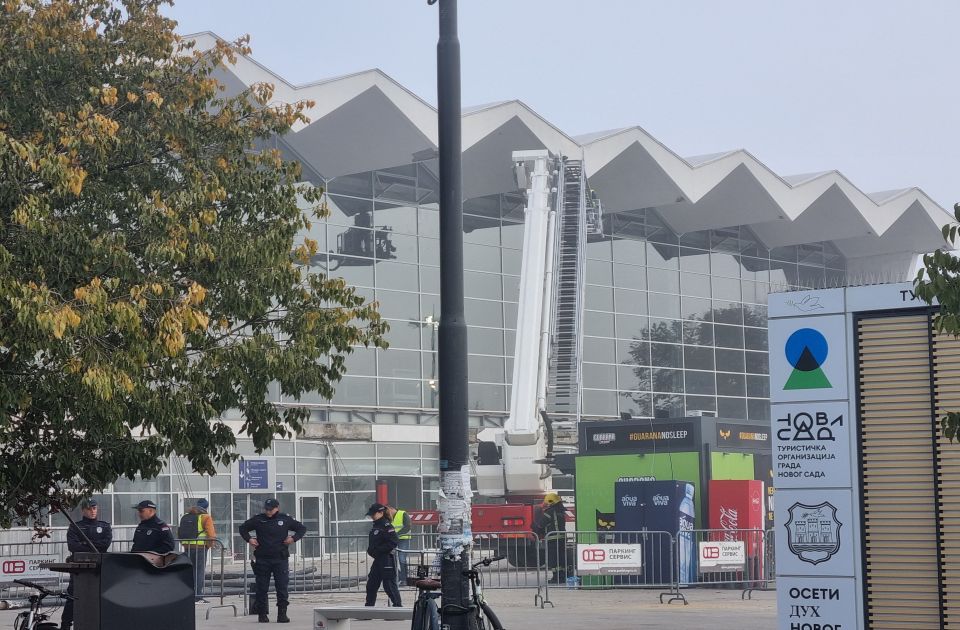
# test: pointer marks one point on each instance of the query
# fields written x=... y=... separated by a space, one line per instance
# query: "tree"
x=151 y=277
x=939 y=281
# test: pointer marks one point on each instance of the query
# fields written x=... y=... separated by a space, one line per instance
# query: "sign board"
x=639 y=437
x=722 y=555
x=605 y=559
x=17 y=567
x=255 y=474
x=808 y=359
x=811 y=445
x=740 y=435
x=805 y=603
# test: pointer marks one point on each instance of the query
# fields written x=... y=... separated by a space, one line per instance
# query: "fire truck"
x=514 y=464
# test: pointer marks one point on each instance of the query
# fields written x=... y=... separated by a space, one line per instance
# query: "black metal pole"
x=454 y=501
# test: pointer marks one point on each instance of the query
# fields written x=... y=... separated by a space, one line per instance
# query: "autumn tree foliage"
x=151 y=276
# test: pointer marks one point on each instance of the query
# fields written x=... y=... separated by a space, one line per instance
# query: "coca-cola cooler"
x=736 y=513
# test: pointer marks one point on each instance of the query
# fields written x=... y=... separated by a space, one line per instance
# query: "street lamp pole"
x=454 y=498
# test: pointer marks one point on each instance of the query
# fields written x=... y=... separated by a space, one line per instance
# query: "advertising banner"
x=17 y=567
x=722 y=556
x=603 y=559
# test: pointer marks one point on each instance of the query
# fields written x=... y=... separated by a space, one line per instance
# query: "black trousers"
x=383 y=571
x=263 y=569
x=66 y=620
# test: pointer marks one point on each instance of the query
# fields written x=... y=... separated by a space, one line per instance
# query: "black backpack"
x=189 y=526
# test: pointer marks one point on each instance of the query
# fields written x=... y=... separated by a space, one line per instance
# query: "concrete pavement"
x=594 y=610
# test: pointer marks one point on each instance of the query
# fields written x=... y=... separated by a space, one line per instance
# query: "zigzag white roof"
x=366 y=121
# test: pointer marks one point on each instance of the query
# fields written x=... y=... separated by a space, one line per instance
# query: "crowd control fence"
x=610 y=560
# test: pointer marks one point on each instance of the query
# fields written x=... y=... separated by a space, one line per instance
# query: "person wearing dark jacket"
x=271 y=554
x=99 y=533
x=151 y=534
x=381 y=543
x=550 y=526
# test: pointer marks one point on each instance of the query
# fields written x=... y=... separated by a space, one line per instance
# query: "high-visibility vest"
x=398 y=524
x=201 y=533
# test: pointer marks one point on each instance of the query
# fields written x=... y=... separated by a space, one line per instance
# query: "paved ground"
x=594 y=610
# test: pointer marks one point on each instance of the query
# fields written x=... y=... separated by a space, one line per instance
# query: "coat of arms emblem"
x=813 y=532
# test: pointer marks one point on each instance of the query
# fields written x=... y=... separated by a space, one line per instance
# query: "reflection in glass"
x=734 y=408
x=599 y=350
x=399 y=363
x=631 y=302
x=666 y=355
x=730 y=360
x=663 y=280
x=699 y=382
x=663 y=305
x=599 y=375
x=698 y=358
x=667 y=380
x=399 y=393
x=665 y=330
x=484 y=312
x=694 y=260
x=599 y=272
x=629 y=276
x=598 y=324
x=637 y=404
x=632 y=327
x=731 y=384
x=599 y=402
x=598 y=298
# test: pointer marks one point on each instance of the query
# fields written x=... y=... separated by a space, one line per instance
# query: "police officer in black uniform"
x=98 y=532
x=151 y=534
x=381 y=543
x=271 y=554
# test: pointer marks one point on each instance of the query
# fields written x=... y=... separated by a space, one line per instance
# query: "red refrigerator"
x=737 y=513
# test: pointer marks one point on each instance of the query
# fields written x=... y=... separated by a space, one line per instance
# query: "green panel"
x=732 y=465
x=597 y=474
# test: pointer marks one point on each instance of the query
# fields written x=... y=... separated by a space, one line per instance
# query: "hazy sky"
x=868 y=87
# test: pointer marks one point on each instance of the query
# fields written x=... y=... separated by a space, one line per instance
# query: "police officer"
x=271 y=554
x=98 y=532
x=381 y=543
x=151 y=534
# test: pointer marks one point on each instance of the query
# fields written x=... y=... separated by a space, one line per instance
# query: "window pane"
x=487 y=339
x=728 y=312
x=629 y=251
x=667 y=330
x=632 y=327
x=404 y=334
x=755 y=338
x=726 y=289
x=482 y=285
x=630 y=276
x=758 y=409
x=663 y=280
x=699 y=382
x=730 y=360
x=696 y=284
x=637 y=404
x=512 y=234
x=664 y=305
x=511 y=261
x=728 y=336
x=696 y=308
x=599 y=402
x=399 y=305
x=429 y=223
x=666 y=355
x=485 y=369
x=394 y=392
x=599 y=375
x=701 y=403
x=698 y=334
x=484 y=312
x=725 y=265
x=598 y=324
x=599 y=272
x=663 y=256
x=481 y=230
x=731 y=384
x=511 y=288
x=599 y=350
x=356 y=391
x=695 y=260
x=599 y=250
x=758 y=386
x=757 y=363
x=487 y=397
x=599 y=298
x=698 y=358
x=399 y=363
x=667 y=380
x=633 y=378
x=481 y=257
x=631 y=302
x=735 y=408
x=755 y=315
x=667 y=406
x=397 y=276
x=361 y=362
x=637 y=352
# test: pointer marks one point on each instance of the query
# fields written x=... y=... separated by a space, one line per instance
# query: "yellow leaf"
x=108 y=96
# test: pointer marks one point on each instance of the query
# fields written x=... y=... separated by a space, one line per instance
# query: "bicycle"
x=33 y=619
x=426 y=614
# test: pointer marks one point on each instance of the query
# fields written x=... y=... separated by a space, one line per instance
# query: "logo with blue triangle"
x=807 y=350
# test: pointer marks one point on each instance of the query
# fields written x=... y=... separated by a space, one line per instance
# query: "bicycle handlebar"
x=488 y=561
x=34 y=586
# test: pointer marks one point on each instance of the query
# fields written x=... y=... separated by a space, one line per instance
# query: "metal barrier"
x=605 y=560
x=731 y=558
x=769 y=566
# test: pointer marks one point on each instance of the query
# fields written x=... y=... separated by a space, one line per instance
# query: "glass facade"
x=674 y=324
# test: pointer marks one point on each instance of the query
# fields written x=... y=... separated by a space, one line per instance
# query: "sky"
x=867 y=87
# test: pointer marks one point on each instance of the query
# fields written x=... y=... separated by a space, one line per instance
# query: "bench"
x=339 y=617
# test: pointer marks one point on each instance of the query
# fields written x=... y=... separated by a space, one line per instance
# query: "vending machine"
x=660 y=510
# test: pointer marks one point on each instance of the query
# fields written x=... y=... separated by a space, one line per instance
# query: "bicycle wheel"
x=491 y=616
x=426 y=615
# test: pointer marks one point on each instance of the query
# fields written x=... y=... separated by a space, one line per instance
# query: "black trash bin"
x=127 y=590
